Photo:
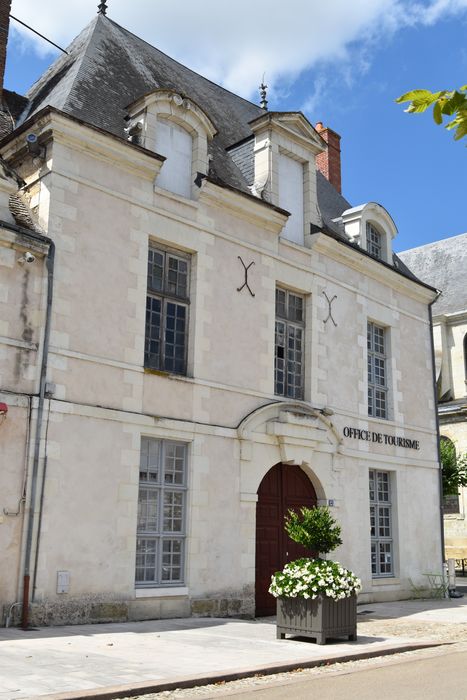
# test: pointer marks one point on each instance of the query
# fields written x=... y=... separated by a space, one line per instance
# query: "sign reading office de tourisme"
x=381 y=438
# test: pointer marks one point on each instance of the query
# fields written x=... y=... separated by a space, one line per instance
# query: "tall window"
x=289 y=344
x=465 y=360
x=167 y=311
x=174 y=142
x=373 y=241
x=377 y=371
x=160 y=538
x=381 y=524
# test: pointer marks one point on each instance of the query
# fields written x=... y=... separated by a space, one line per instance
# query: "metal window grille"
x=160 y=540
x=377 y=372
x=289 y=344
x=381 y=524
x=167 y=311
x=373 y=241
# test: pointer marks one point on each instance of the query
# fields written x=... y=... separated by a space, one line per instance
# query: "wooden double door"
x=284 y=486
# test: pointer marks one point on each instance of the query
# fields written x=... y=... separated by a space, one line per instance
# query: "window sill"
x=161 y=592
x=168 y=375
x=389 y=581
x=454 y=516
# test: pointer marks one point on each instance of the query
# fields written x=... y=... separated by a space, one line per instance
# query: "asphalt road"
x=442 y=677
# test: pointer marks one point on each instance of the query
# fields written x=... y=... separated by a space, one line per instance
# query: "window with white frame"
x=377 y=371
x=160 y=540
x=167 y=303
x=373 y=241
x=289 y=344
x=382 y=559
x=176 y=144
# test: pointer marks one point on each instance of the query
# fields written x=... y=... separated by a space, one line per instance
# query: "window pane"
x=172 y=552
x=146 y=553
x=173 y=511
x=177 y=276
x=279 y=359
x=155 y=270
x=294 y=362
x=281 y=309
x=149 y=466
x=295 y=308
x=175 y=455
x=373 y=241
x=153 y=332
x=175 y=337
x=148 y=510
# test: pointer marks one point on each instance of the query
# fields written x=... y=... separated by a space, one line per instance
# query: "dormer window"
x=285 y=148
x=371 y=227
x=174 y=142
x=174 y=127
x=373 y=241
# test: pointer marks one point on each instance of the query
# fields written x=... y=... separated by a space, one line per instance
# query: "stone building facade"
x=443 y=264
x=197 y=333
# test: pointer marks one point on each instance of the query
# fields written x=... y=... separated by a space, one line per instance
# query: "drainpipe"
x=37 y=442
x=438 y=436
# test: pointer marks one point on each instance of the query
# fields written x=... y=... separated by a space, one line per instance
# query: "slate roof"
x=107 y=68
x=443 y=265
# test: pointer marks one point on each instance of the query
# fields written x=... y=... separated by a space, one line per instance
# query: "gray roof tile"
x=443 y=265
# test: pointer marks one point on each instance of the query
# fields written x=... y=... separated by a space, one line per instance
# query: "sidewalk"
x=110 y=659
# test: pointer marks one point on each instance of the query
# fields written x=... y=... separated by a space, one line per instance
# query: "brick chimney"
x=5 y=7
x=329 y=162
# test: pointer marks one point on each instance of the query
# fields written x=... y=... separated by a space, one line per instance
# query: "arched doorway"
x=284 y=486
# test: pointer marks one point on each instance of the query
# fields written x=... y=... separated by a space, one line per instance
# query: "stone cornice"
x=347 y=255
x=53 y=125
x=244 y=206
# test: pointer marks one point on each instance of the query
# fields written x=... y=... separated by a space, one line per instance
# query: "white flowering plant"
x=316 y=530
x=309 y=578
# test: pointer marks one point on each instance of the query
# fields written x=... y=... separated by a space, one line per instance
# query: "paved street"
x=162 y=654
x=441 y=677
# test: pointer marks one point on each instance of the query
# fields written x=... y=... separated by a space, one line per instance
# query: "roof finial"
x=102 y=8
x=262 y=91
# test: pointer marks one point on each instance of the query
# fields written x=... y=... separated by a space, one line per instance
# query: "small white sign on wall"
x=63 y=581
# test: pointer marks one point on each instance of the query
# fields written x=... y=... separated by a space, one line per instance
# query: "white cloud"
x=234 y=44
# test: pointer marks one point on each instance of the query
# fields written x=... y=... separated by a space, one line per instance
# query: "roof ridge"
x=208 y=80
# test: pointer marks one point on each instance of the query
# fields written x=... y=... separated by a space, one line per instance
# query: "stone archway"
x=284 y=486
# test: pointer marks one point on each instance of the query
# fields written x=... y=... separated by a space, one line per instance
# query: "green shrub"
x=314 y=528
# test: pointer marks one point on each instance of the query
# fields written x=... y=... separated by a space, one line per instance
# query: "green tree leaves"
x=314 y=528
x=446 y=103
x=454 y=468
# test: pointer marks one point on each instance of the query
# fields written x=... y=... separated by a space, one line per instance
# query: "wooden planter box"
x=322 y=618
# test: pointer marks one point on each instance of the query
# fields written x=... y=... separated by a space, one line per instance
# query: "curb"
x=133 y=689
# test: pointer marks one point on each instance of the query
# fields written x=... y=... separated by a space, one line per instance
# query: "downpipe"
x=50 y=261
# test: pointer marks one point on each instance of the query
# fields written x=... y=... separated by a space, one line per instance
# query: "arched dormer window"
x=174 y=127
x=372 y=228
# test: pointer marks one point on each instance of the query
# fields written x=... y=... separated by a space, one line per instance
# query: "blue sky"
x=342 y=69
